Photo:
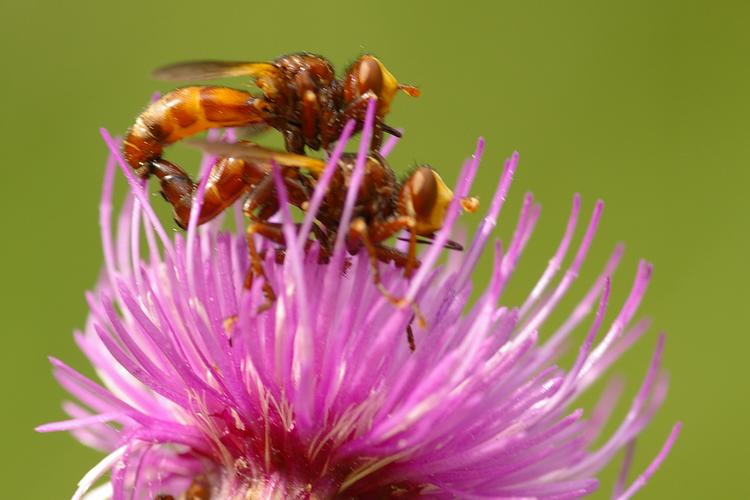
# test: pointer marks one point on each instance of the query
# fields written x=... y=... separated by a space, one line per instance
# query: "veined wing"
x=258 y=154
x=206 y=70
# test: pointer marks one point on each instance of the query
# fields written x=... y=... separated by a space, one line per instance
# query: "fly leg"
x=263 y=200
x=280 y=253
x=261 y=204
x=381 y=231
x=272 y=232
x=229 y=179
x=275 y=233
x=359 y=232
x=401 y=259
x=410 y=336
x=324 y=242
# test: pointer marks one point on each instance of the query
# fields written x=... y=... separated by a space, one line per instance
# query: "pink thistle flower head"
x=321 y=397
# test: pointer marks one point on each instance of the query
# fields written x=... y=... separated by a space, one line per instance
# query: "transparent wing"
x=258 y=154
x=206 y=70
x=249 y=131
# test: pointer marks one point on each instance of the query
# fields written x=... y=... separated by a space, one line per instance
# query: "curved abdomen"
x=182 y=113
x=229 y=179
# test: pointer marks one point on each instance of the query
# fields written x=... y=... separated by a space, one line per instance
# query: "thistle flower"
x=321 y=397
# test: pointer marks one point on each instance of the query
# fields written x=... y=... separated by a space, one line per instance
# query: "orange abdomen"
x=229 y=179
x=182 y=113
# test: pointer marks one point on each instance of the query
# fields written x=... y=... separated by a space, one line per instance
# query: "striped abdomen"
x=229 y=179
x=182 y=113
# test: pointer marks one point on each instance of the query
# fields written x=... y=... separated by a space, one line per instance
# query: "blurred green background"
x=644 y=104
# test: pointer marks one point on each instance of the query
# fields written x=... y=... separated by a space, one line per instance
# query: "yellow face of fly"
x=425 y=197
x=376 y=78
x=387 y=91
x=433 y=220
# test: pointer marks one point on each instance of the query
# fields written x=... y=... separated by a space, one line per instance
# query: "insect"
x=301 y=98
x=199 y=489
x=384 y=205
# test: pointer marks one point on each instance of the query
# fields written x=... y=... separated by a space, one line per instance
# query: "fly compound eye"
x=424 y=190
x=369 y=76
x=426 y=197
